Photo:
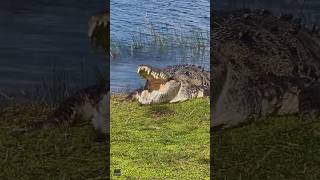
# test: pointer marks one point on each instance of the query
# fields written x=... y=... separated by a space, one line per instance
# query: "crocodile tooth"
x=149 y=71
x=165 y=76
x=138 y=70
x=161 y=76
x=105 y=23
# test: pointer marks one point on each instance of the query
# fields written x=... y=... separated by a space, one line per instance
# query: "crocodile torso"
x=262 y=65
x=89 y=104
x=172 y=84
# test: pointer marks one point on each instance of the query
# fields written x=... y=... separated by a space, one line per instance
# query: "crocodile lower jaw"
x=166 y=93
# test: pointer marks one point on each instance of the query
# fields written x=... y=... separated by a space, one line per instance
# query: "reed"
x=149 y=36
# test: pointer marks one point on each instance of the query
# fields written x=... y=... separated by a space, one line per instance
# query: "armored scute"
x=262 y=65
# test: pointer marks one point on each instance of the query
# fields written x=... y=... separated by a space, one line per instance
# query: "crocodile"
x=262 y=65
x=172 y=84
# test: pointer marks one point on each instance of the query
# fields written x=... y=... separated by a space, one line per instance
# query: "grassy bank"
x=160 y=141
x=59 y=153
x=277 y=148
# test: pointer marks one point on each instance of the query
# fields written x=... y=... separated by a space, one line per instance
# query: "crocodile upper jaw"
x=155 y=78
x=96 y=21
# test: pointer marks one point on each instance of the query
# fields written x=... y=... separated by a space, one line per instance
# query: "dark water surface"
x=40 y=36
x=130 y=17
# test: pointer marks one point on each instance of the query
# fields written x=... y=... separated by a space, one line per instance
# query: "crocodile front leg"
x=309 y=102
x=235 y=103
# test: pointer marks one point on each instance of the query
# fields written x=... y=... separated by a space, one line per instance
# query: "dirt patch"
x=159 y=111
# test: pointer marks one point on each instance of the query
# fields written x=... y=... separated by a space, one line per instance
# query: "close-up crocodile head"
x=263 y=64
x=171 y=84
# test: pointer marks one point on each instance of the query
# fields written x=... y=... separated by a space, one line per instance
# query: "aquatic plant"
x=114 y=48
x=137 y=41
x=54 y=87
x=59 y=84
x=148 y=35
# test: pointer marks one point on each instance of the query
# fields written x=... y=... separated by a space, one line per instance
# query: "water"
x=132 y=17
x=37 y=35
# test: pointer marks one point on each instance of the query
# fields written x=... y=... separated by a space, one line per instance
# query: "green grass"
x=275 y=148
x=159 y=141
x=61 y=153
x=169 y=141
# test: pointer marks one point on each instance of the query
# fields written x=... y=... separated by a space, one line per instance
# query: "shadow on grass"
x=159 y=111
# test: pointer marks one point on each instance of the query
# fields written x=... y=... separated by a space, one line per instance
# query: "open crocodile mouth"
x=156 y=79
x=98 y=21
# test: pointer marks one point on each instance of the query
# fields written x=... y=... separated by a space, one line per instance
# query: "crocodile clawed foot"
x=309 y=103
x=134 y=95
